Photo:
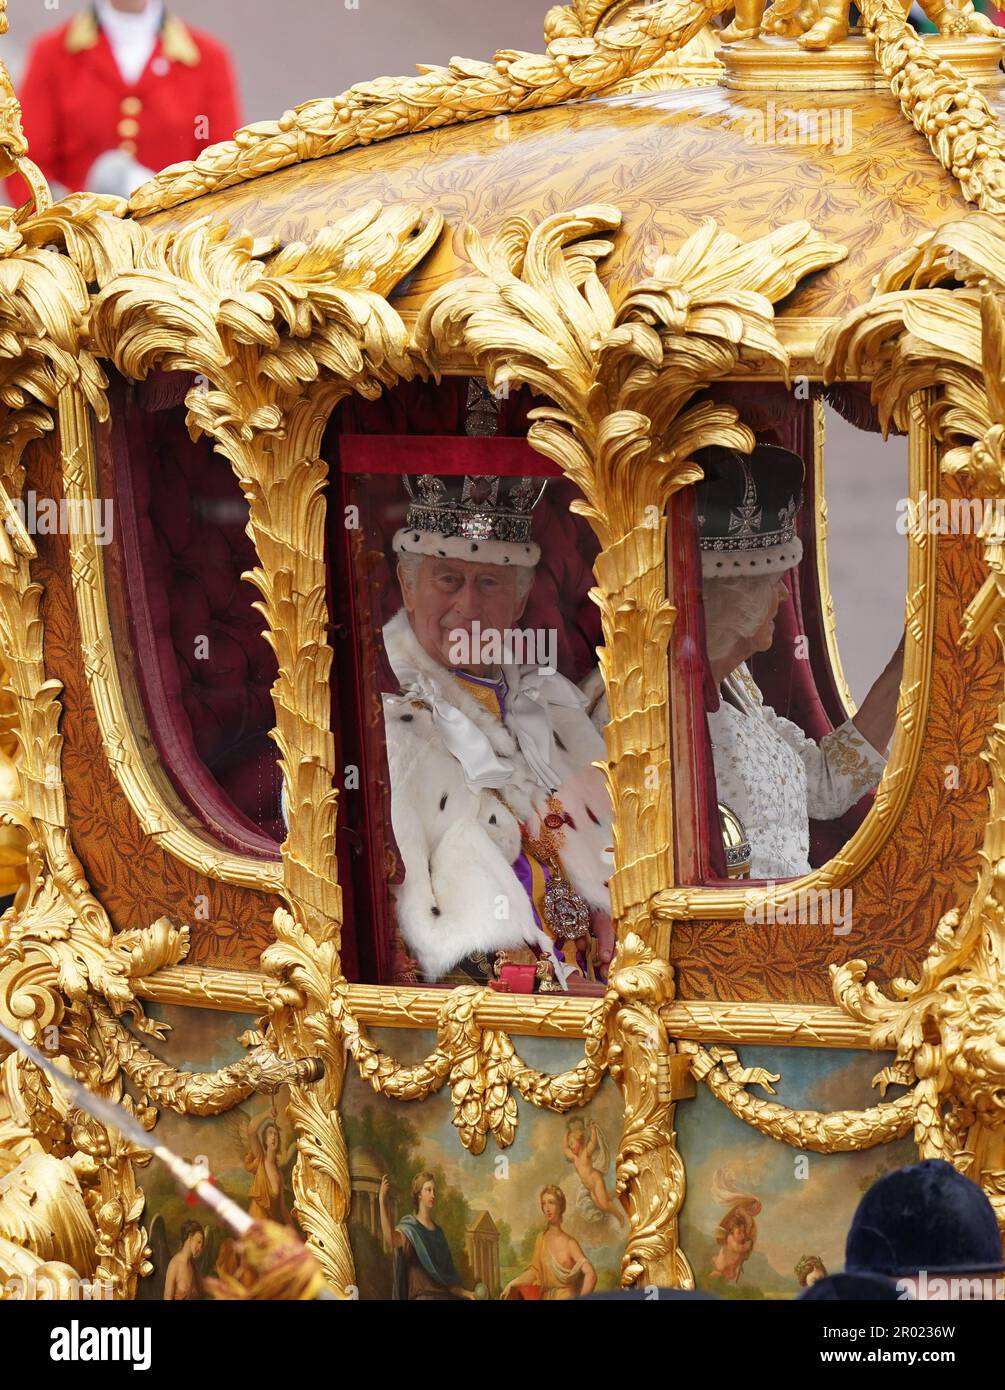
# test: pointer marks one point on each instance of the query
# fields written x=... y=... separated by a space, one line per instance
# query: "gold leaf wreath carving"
x=961 y=127
x=199 y=1093
x=577 y=65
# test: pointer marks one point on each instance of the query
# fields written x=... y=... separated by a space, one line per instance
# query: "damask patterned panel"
x=755 y=1209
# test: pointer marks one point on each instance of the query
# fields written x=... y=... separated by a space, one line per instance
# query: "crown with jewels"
x=477 y=517
x=747 y=509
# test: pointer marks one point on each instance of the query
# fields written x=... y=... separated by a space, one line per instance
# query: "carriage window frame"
x=717 y=902
x=405 y=1006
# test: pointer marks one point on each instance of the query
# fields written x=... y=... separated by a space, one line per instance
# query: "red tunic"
x=77 y=105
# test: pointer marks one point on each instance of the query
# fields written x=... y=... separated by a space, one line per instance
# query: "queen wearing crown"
x=501 y=820
x=770 y=778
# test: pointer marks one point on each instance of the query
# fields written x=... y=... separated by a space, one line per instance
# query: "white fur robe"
x=457 y=842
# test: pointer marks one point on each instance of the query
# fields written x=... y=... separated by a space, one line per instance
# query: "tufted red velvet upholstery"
x=203 y=666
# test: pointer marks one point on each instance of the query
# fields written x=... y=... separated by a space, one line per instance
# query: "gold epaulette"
x=82 y=32
x=178 y=43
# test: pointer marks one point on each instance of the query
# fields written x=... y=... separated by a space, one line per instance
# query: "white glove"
x=117 y=173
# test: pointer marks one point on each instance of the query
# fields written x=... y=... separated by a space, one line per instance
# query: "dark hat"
x=927 y=1216
x=747 y=507
x=850 y=1288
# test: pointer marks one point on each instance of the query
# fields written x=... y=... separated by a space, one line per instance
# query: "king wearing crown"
x=502 y=822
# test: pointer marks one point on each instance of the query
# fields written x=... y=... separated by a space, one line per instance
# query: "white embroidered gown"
x=775 y=779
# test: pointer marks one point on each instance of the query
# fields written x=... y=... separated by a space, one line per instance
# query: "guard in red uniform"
x=119 y=92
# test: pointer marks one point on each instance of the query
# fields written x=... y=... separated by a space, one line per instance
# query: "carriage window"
x=470 y=640
x=780 y=758
x=175 y=573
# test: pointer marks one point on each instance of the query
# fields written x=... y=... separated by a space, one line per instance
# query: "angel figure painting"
x=250 y=1150
x=587 y=1151
x=266 y=1160
x=736 y=1233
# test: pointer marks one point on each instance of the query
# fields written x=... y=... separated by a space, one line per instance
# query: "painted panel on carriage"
x=760 y=1219
x=249 y=1151
x=535 y=1221
x=539 y=1215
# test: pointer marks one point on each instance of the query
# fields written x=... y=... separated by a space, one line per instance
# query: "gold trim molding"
x=801 y=336
x=825 y=597
x=540 y=1016
x=771 y=63
x=574 y=67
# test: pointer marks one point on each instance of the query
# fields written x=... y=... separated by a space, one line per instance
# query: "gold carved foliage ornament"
x=275 y=337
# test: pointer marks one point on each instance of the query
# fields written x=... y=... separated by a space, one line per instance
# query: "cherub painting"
x=589 y=1155
x=736 y=1233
